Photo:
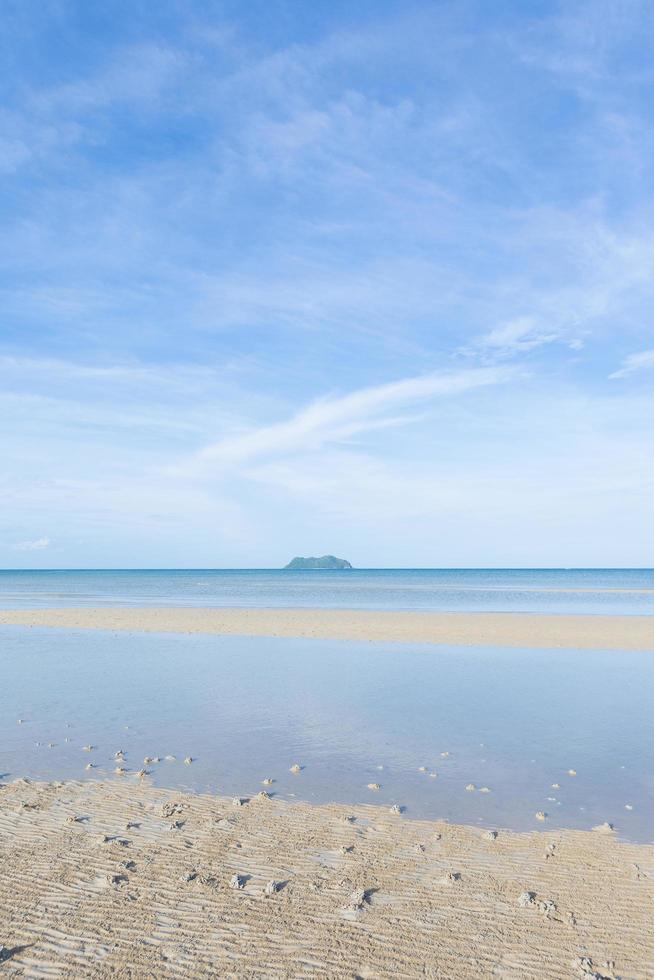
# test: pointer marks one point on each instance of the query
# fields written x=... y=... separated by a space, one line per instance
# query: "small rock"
x=117 y=880
x=491 y=835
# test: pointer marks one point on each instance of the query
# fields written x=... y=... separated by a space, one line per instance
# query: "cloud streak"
x=640 y=361
x=333 y=420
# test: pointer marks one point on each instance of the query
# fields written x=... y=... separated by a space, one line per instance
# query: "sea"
x=479 y=735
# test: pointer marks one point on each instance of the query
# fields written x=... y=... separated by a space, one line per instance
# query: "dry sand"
x=494 y=629
x=139 y=886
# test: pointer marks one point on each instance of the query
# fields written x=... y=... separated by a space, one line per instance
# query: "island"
x=326 y=562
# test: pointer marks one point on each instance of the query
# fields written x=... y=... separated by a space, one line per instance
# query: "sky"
x=283 y=278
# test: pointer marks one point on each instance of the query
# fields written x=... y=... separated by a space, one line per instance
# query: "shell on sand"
x=267 y=781
x=171 y=758
x=357 y=899
x=541 y=815
x=490 y=835
x=296 y=768
x=628 y=806
x=604 y=828
x=120 y=754
x=90 y=765
x=396 y=808
x=237 y=881
x=141 y=773
x=149 y=759
x=374 y=786
x=444 y=755
x=572 y=772
x=471 y=787
x=88 y=748
x=452 y=876
x=484 y=789
x=262 y=795
x=525 y=899
x=188 y=760
x=120 y=771
x=556 y=786
x=271 y=888
x=433 y=775
x=237 y=801
x=422 y=768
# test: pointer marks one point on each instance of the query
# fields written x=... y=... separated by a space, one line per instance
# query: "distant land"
x=327 y=561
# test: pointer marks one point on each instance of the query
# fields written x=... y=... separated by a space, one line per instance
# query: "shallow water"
x=245 y=709
x=613 y=590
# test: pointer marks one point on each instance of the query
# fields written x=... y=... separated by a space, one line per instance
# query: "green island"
x=326 y=562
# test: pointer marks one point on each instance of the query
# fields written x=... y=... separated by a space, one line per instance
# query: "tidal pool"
x=512 y=721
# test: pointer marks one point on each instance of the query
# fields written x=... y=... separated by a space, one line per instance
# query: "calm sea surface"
x=625 y=591
x=351 y=714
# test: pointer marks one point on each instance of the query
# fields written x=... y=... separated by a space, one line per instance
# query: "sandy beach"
x=478 y=629
x=120 y=879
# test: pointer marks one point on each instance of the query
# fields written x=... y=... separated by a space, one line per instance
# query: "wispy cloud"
x=635 y=362
x=330 y=420
x=39 y=544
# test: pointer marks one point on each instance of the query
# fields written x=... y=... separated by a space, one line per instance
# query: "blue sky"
x=286 y=278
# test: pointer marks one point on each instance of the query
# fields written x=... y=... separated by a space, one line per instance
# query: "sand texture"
x=492 y=629
x=119 y=879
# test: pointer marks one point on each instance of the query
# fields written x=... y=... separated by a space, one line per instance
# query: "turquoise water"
x=349 y=713
x=624 y=591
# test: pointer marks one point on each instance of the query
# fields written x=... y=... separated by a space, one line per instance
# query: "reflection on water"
x=350 y=714
x=613 y=590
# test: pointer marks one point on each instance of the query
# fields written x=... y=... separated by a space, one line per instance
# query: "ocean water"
x=350 y=714
x=609 y=591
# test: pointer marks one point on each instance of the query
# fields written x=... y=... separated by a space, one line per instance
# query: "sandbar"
x=457 y=628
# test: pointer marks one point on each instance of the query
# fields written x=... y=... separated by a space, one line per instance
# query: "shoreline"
x=126 y=879
x=531 y=630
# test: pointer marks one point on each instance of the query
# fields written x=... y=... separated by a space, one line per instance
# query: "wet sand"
x=120 y=879
x=475 y=629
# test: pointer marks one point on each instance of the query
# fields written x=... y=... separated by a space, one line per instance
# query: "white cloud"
x=331 y=420
x=38 y=545
x=519 y=334
x=635 y=362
